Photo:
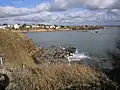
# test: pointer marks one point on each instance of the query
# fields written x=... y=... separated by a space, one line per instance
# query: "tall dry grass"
x=58 y=77
x=16 y=48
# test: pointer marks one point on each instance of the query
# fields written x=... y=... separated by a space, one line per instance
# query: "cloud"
x=43 y=6
x=67 y=4
x=96 y=17
x=91 y=4
x=10 y=11
x=64 y=12
x=59 y=5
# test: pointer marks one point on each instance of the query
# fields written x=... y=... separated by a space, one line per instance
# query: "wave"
x=85 y=58
x=76 y=55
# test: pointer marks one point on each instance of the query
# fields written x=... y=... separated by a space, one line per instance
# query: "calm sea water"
x=92 y=43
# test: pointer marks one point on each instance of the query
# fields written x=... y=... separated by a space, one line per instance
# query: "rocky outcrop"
x=50 y=55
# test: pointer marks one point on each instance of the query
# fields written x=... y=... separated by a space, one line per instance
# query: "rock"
x=118 y=44
x=70 y=49
x=8 y=78
x=114 y=75
x=51 y=55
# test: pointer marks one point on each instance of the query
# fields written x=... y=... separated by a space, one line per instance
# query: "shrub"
x=59 y=77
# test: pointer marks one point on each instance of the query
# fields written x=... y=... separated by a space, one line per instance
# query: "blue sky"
x=71 y=12
x=21 y=3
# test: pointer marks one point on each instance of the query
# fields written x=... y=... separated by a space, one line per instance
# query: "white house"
x=35 y=26
x=8 y=26
x=47 y=26
x=52 y=26
x=27 y=26
x=16 y=26
x=58 y=27
x=43 y=26
x=2 y=27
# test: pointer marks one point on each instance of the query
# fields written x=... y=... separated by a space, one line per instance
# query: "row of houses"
x=43 y=26
x=25 y=26
x=9 y=26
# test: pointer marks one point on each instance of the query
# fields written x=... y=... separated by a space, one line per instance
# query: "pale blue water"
x=94 y=44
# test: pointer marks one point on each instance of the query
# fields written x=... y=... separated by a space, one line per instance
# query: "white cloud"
x=43 y=7
x=105 y=11
x=97 y=4
x=69 y=17
x=58 y=5
x=12 y=11
x=9 y=11
x=100 y=3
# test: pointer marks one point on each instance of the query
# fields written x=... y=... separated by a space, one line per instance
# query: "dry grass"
x=58 y=77
x=16 y=48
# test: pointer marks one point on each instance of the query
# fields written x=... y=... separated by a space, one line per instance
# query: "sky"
x=61 y=12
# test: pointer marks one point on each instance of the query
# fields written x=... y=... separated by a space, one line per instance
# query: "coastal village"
x=44 y=27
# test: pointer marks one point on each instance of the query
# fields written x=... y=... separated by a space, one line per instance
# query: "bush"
x=58 y=77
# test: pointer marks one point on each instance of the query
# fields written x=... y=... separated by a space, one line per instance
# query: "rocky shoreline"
x=30 y=67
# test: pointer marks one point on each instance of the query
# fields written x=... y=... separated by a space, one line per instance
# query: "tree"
x=24 y=25
x=62 y=26
x=5 y=24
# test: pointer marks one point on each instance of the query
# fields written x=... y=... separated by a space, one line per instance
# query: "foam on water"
x=77 y=56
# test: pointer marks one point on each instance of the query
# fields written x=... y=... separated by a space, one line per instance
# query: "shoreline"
x=50 y=30
x=21 y=46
